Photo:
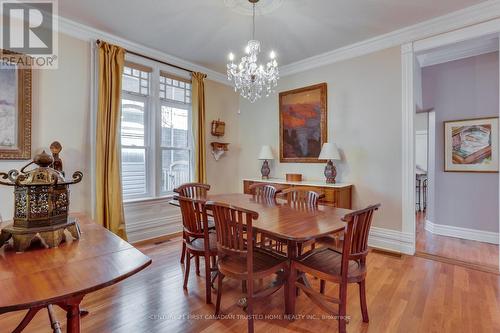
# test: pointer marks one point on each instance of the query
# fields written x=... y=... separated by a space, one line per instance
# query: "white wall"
x=364 y=119
x=457 y=90
x=222 y=103
x=61 y=111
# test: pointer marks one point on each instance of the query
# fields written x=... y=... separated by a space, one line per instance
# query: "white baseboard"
x=463 y=233
x=392 y=240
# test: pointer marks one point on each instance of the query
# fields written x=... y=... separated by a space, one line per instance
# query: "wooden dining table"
x=41 y=278
x=292 y=224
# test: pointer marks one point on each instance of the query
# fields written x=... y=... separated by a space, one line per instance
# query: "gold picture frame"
x=303 y=110
x=15 y=110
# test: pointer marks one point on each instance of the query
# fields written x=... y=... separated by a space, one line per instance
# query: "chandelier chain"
x=253 y=22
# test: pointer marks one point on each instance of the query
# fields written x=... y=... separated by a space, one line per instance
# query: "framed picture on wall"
x=15 y=109
x=303 y=123
x=471 y=145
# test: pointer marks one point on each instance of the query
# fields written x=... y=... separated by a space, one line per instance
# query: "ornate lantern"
x=41 y=204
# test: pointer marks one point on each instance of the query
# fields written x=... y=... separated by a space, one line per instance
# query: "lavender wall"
x=463 y=89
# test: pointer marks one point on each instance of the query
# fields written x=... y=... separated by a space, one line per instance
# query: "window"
x=156 y=141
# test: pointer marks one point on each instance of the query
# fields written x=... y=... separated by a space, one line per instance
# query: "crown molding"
x=482 y=12
x=457 y=52
x=84 y=32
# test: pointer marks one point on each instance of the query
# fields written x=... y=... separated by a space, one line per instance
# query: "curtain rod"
x=153 y=59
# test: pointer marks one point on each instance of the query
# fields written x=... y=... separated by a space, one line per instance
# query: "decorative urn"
x=41 y=199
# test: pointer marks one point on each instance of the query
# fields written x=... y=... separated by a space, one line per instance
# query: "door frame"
x=409 y=65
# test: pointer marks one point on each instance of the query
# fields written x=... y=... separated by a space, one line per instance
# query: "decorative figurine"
x=55 y=149
x=41 y=198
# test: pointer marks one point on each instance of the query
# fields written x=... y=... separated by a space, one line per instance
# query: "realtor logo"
x=29 y=28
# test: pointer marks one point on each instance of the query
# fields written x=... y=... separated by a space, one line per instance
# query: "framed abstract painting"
x=15 y=110
x=303 y=124
x=471 y=145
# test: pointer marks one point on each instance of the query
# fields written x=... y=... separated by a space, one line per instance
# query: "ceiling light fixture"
x=249 y=77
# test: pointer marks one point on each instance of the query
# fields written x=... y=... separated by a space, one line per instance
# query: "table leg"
x=291 y=295
x=27 y=319
x=73 y=313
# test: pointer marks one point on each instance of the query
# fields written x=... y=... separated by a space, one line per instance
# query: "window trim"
x=152 y=127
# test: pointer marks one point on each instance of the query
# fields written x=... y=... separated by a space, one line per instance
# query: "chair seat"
x=329 y=261
x=264 y=263
x=199 y=244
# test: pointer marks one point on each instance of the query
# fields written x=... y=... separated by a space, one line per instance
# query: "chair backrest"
x=233 y=227
x=302 y=196
x=194 y=218
x=355 y=245
x=264 y=190
x=193 y=190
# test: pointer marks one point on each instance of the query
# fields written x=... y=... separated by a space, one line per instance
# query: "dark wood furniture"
x=302 y=198
x=62 y=276
x=238 y=259
x=266 y=192
x=191 y=190
x=289 y=224
x=198 y=240
x=347 y=266
x=339 y=195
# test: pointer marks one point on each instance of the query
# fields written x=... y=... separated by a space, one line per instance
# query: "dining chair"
x=341 y=267
x=191 y=190
x=198 y=239
x=302 y=197
x=266 y=192
x=239 y=259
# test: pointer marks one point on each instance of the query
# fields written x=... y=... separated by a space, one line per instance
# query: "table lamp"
x=330 y=152
x=266 y=154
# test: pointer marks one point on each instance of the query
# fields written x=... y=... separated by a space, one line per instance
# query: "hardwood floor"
x=475 y=253
x=407 y=294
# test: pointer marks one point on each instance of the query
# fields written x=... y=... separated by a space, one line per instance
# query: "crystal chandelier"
x=249 y=77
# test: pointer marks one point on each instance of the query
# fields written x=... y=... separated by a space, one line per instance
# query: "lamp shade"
x=329 y=151
x=266 y=153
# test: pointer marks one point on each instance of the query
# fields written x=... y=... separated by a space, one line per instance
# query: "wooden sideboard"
x=339 y=195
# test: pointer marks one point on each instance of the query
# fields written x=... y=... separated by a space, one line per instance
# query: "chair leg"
x=322 y=285
x=214 y=261
x=362 y=301
x=219 y=293
x=343 y=309
x=183 y=253
x=250 y=306
x=188 y=266
x=243 y=286
x=197 y=263
x=208 y=275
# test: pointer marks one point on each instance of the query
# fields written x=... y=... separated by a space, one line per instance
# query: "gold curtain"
x=109 y=203
x=198 y=101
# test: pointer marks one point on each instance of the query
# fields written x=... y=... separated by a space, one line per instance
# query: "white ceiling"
x=205 y=31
